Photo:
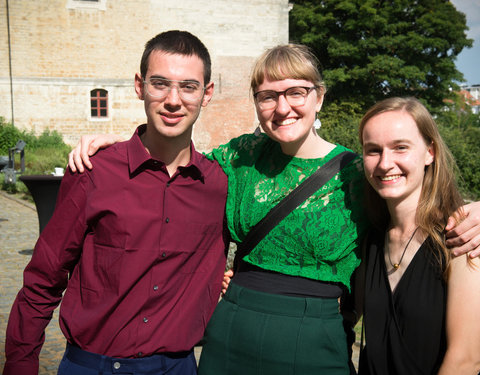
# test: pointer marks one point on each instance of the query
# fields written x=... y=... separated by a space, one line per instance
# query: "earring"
x=317 y=124
x=257 y=131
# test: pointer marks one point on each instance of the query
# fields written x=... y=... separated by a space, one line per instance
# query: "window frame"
x=94 y=95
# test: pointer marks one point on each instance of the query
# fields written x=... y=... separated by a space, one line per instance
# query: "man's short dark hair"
x=177 y=42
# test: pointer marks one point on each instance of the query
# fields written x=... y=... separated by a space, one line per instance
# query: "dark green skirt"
x=259 y=333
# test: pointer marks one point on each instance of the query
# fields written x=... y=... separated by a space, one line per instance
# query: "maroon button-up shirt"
x=140 y=256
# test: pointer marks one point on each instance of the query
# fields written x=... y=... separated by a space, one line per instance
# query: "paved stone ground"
x=18 y=234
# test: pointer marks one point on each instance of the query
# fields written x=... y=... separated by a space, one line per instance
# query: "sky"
x=468 y=62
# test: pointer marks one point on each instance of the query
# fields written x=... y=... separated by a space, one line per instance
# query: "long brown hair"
x=440 y=196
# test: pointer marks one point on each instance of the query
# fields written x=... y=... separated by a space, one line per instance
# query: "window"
x=99 y=103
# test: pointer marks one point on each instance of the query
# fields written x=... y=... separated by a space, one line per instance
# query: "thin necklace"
x=396 y=266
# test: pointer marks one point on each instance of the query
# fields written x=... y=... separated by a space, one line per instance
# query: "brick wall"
x=62 y=49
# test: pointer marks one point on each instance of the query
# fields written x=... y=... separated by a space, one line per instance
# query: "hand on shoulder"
x=464 y=237
x=88 y=145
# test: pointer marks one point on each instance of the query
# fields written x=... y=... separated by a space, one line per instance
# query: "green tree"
x=463 y=143
x=371 y=49
x=340 y=124
x=457 y=113
x=460 y=128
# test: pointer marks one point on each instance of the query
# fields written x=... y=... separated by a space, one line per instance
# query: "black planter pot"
x=44 y=190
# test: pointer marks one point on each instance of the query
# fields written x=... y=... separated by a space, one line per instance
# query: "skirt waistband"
x=262 y=280
x=280 y=304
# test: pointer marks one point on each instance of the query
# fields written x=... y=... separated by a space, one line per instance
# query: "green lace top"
x=317 y=240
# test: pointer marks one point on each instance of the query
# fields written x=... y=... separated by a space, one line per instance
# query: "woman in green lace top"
x=316 y=240
x=280 y=314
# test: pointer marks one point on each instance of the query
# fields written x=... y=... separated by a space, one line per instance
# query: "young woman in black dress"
x=421 y=305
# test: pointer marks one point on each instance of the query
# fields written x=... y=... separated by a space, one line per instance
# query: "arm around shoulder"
x=463 y=236
x=88 y=145
x=463 y=325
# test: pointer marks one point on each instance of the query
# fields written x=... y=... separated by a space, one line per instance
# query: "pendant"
x=396 y=265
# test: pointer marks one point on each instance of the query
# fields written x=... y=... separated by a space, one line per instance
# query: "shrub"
x=463 y=143
x=340 y=124
x=42 y=153
x=9 y=135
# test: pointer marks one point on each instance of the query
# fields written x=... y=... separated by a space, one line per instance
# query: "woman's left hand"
x=227 y=277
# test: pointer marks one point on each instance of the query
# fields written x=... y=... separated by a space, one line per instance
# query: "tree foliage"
x=340 y=124
x=463 y=143
x=460 y=128
x=371 y=49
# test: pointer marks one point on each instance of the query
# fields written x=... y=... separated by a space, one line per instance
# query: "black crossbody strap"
x=296 y=197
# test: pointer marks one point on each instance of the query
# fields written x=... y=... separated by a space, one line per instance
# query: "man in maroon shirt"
x=138 y=244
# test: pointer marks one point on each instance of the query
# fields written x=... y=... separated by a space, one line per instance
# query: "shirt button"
x=116 y=365
x=168 y=184
x=164 y=255
x=145 y=320
x=167 y=220
x=139 y=354
x=155 y=287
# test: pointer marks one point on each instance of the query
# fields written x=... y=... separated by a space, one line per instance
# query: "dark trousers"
x=79 y=362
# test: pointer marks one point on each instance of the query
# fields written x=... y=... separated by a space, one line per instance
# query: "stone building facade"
x=68 y=65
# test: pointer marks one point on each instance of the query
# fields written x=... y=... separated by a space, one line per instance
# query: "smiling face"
x=172 y=117
x=395 y=155
x=290 y=126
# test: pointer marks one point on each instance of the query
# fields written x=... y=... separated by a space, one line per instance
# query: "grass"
x=19 y=190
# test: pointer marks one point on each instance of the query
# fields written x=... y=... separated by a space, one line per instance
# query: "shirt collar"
x=139 y=159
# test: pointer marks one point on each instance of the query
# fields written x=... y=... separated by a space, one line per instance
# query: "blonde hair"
x=440 y=196
x=288 y=61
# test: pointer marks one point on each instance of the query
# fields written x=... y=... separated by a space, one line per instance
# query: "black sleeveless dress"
x=404 y=330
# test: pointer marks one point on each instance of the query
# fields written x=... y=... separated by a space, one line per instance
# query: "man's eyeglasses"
x=189 y=91
x=295 y=96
